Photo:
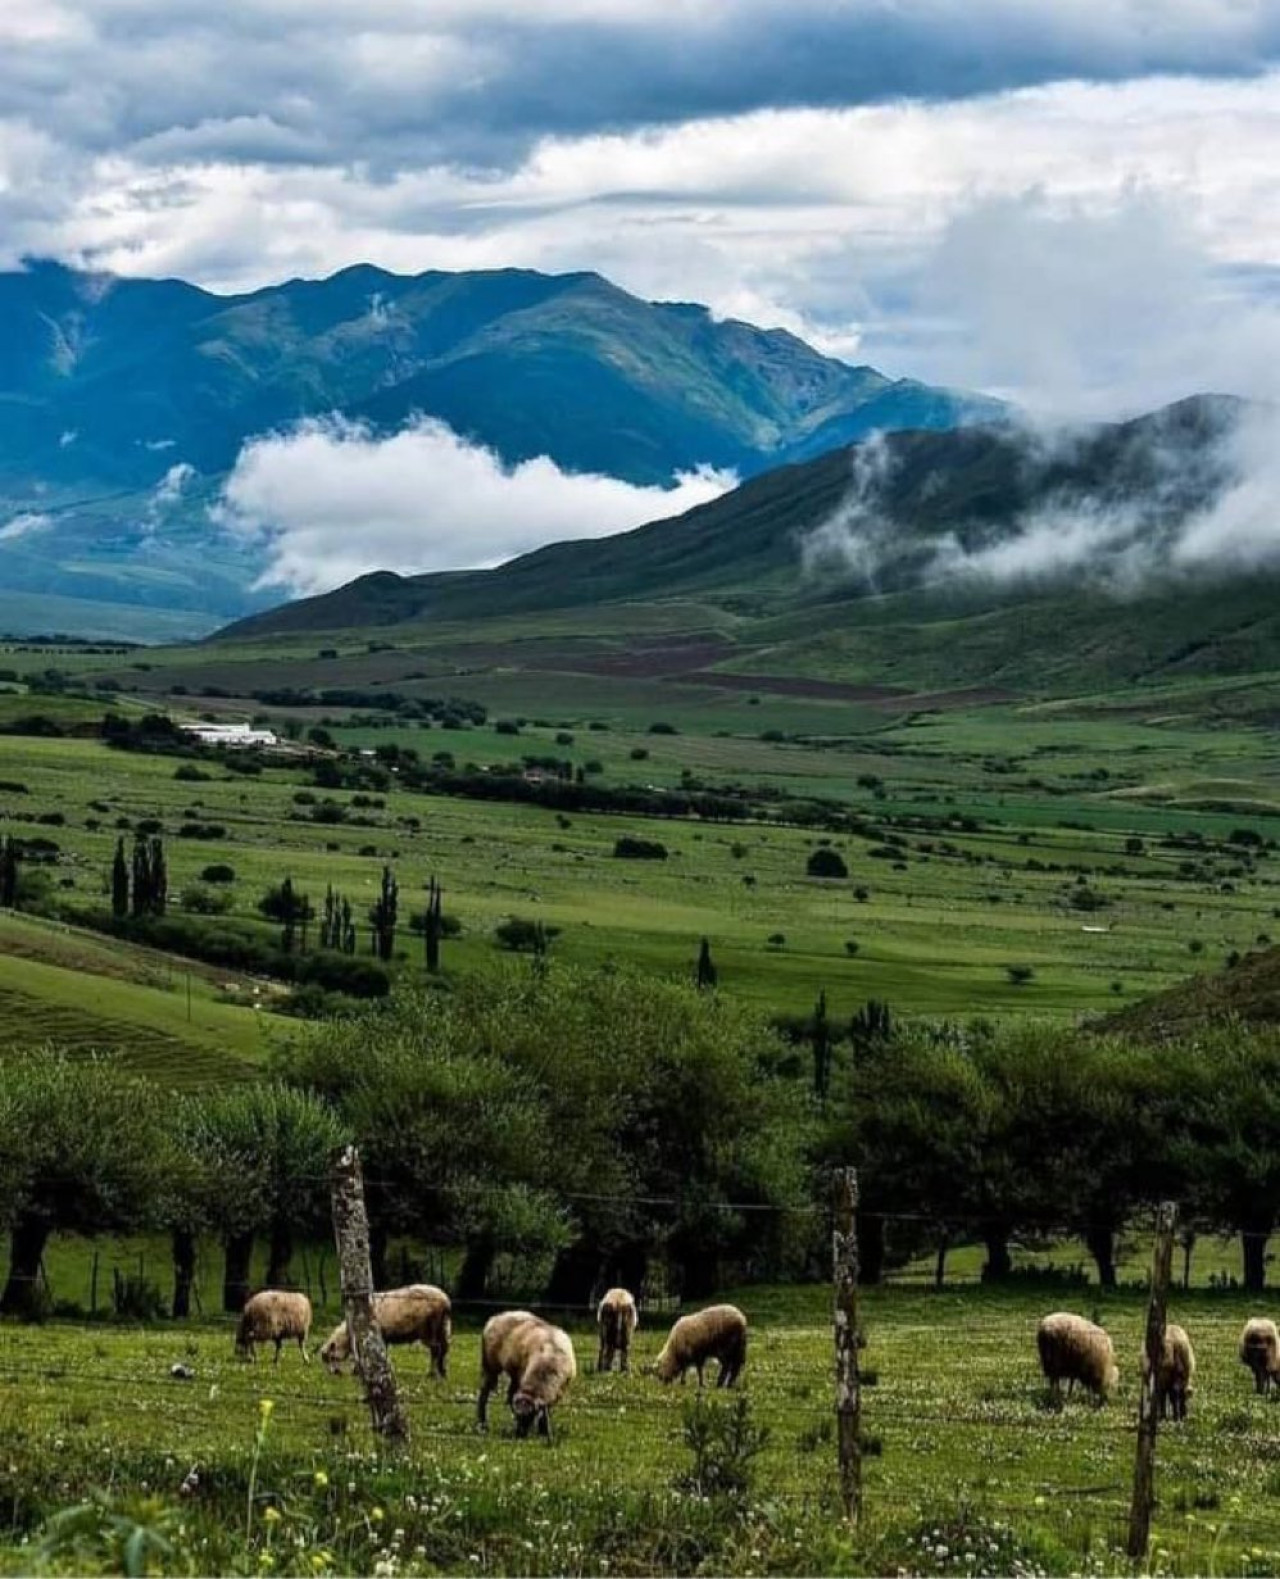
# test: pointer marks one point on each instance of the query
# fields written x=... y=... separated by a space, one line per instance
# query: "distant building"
x=233 y=736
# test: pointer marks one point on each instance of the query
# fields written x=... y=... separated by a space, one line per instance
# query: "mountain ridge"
x=127 y=401
x=971 y=486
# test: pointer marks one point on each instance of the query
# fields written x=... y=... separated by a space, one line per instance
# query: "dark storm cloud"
x=391 y=85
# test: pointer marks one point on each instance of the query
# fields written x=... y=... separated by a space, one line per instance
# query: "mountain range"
x=126 y=403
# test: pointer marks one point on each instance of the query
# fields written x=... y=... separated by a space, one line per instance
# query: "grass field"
x=986 y=819
x=966 y=1452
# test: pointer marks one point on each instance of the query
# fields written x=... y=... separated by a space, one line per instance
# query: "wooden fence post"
x=1150 y=1400
x=351 y=1232
x=844 y=1256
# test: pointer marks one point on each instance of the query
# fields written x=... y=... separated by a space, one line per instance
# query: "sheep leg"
x=487 y=1384
x=698 y=1368
x=624 y=1360
x=544 y=1424
x=602 y=1359
x=278 y=1342
x=302 y=1349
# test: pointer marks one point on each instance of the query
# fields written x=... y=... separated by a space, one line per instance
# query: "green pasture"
x=964 y=1450
x=935 y=932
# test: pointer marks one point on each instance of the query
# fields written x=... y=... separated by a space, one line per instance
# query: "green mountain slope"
x=107 y=386
x=830 y=618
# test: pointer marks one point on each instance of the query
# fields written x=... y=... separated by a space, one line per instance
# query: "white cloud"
x=1118 y=545
x=331 y=501
x=24 y=525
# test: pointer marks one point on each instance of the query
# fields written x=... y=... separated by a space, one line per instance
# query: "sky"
x=1071 y=203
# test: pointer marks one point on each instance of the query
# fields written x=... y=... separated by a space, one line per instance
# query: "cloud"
x=1206 y=509
x=25 y=525
x=395 y=84
x=1075 y=310
x=330 y=501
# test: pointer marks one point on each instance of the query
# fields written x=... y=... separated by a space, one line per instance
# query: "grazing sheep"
x=1260 y=1351
x=717 y=1333
x=272 y=1316
x=419 y=1313
x=1177 y=1372
x=1075 y=1350
x=538 y=1361
x=617 y=1318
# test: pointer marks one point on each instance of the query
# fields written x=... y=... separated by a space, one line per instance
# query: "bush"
x=825 y=862
x=663 y=729
x=639 y=753
x=218 y=873
x=189 y=773
x=200 y=901
x=521 y=935
x=1019 y=975
x=202 y=830
x=725 y=1442
x=851 y=946
x=631 y=849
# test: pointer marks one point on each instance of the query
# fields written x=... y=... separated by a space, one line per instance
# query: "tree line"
x=605 y=1127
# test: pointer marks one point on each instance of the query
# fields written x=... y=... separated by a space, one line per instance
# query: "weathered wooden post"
x=351 y=1232
x=1150 y=1400
x=844 y=1256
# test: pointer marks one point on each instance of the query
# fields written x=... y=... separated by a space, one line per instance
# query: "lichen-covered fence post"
x=844 y=1256
x=351 y=1232
x=1150 y=1400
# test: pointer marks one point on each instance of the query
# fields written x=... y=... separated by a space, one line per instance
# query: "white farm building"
x=230 y=735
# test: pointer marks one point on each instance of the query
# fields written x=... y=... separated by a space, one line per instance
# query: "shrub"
x=521 y=935
x=663 y=729
x=825 y=862
x=777 y=940
x=564 y=738
x=851 y=946
x=631 y=849
x=189 y=773
x=12 y=787
x=218 y=873
x=200 y=901
x=639 y=753
x=202 y=830
x=1019 y=975
x=506 y=726
x=725 y=1442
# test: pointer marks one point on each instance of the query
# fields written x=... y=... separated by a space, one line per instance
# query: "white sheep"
x=418 y=1313
x=1260 y=1351
x=1075 y=1350
x=617 y=1318
x=273 y=1316
x=717 y=1333
x=538 y=1361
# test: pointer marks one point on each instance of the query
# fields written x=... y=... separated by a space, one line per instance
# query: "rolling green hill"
x=758 y=574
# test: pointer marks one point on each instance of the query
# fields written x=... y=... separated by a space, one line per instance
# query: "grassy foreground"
x=969 y=1470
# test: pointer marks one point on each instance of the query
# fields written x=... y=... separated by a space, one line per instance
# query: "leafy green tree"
x=84 y=1151
x=274 y=1143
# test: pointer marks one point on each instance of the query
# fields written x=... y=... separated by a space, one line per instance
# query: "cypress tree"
x=707 y=975
x=432 y=928
x=120 y=882
x=8 y=874
x=288 y=915
x=821 y=1048
x=141 y=877
x=159 y=895
x=383 y=917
